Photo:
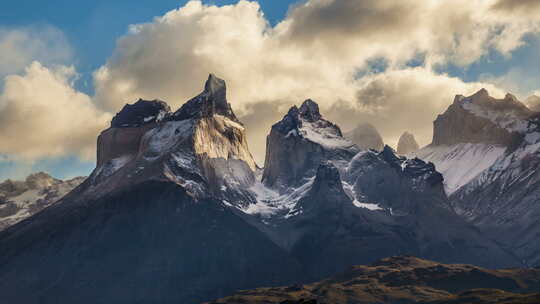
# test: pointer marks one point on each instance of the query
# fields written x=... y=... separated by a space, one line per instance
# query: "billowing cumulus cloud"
x=41 y=115
x=404 y=100
x=320 y=50
x=20 y=46
x=323 y=49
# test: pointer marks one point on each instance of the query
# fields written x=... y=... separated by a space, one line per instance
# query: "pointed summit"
x=217 y=88
x=407 y=144
x=481 y=93
x=309 y=110
x=213 y=100
x=327 y=177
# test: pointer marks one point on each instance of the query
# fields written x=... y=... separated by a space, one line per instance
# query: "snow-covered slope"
x=460 y=163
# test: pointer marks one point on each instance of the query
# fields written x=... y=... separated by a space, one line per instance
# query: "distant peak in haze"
x=407 y=144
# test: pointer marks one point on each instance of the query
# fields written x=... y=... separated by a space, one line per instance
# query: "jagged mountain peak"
x=327 y=178
x=215 y=86
x=481 y=118
x=213 y=100
x=202 y=147
x=407 y=144
x=299 y=142
x=481 y=93
x=309 y=110
x=140 y=113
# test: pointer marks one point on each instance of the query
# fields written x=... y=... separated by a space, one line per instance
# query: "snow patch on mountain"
x=165 y=137
x=460 y=163
x=324 y=135
x=271 y=203
x=372 y=207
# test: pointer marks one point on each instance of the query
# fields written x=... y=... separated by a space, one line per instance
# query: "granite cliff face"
x=366 y=136
x=407 y=144
x=299 y=143
x=481 y=118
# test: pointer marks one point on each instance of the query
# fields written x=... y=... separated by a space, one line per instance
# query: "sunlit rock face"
x=407 y=144
x=481 y=118
x=202 y=146
x=366 y=136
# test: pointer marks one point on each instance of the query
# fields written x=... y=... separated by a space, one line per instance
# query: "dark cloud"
x=518 y=6
x=323 y=20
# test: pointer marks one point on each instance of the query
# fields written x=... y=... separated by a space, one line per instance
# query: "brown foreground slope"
x=406 y=279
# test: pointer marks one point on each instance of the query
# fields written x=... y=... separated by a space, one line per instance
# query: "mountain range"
x=177 y=210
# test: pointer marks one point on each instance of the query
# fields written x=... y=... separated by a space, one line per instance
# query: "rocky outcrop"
x=407 y=144
x=481 y=118
x=396 y=182
x=212 y=101
x=297 y=145
x=22 y=199
x=366 y=136
x=140 y=113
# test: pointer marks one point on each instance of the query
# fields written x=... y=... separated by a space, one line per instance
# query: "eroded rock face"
x=299 y=143
x=407 y=144
x=481 y=118
x=366 y=136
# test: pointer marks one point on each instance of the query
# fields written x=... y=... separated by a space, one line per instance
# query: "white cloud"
x=41 y=115
x=405 y=100
x=316 y=52
x=319 y=51
x=22 y=45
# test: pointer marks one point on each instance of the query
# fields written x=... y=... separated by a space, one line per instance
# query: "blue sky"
x=91 y=30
